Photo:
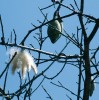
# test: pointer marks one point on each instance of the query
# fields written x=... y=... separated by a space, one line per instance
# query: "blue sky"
x=18 y=15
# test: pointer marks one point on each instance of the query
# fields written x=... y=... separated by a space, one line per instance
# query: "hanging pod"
x=55 y=28
x=92 y=86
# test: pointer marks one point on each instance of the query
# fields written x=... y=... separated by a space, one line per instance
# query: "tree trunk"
x=87 y=71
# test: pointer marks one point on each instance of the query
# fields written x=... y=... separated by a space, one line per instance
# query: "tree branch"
x=49 y=96
x=91 y=36
x=2 y=38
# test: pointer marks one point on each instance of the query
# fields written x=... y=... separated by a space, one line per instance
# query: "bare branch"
x=92 y=34
x=2 y=38
x=60 y=85
x=49 y=97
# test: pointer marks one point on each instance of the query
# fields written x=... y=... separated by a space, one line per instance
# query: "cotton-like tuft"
x=22 y=61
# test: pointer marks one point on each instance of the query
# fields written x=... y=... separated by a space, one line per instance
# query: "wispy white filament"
x=22 y=61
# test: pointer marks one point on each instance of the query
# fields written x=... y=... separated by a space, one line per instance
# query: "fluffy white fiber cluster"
x=22 y=61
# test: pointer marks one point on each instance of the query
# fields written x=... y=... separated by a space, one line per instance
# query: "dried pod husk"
x=92 y=86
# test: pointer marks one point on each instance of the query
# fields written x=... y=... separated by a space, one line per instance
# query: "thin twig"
x=38 y=85
x=56 y=74
x=60 y=85
x=2 y=38
x=49 y=96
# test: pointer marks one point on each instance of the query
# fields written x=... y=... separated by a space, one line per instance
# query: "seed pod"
x=54 y=30
x=92 y=86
